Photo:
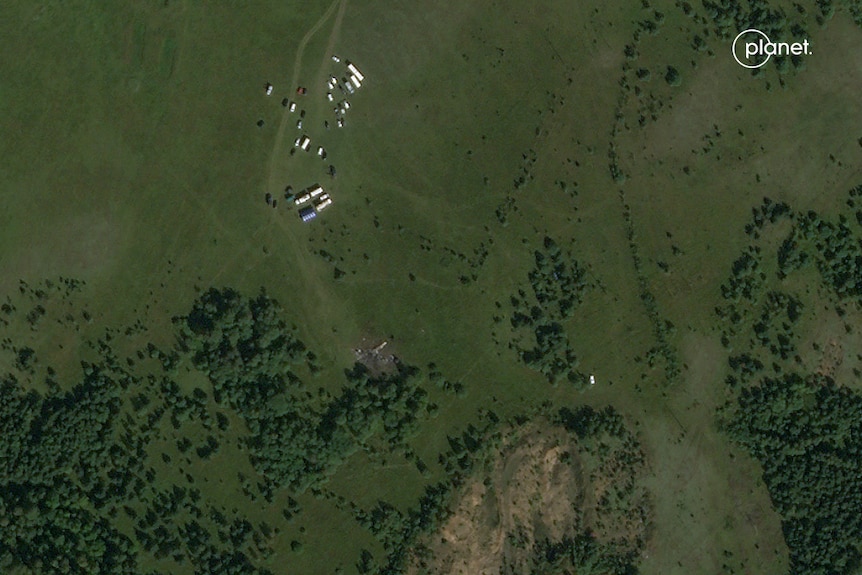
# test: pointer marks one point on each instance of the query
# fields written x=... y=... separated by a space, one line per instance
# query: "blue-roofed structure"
x=307 y=214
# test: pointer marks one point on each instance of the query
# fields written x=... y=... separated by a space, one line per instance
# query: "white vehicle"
x=335 y=58
x=292 y=106
x=302 y=198
x=340 y=122
x=304 y=142
x=296 y=142
x=315 y=190
x=329 y=96
x=345 y=104
x=320 y=151
x=355 y=81
x=268 y=88
x=355 y=71
x=299 y=124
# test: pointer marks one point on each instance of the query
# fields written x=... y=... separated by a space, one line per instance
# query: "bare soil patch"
x=533 y=491
x=543 y=486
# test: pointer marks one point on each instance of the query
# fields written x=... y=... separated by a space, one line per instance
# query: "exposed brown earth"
x=543 y=486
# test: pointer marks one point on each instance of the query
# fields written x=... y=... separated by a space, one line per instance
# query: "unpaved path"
x=276 y=155
x=278 y=146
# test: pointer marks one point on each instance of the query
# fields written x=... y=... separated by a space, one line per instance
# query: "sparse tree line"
x=663 y=329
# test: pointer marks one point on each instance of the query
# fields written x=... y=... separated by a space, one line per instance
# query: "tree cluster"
x=436 y=377
x=249 y=354
x=580 y=554
x=730 y=16
x=804 y=431
x=612 y=456
x=558 y=283
x=837 y=252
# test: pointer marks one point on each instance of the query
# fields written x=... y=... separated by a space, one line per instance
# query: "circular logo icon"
x=752 y=44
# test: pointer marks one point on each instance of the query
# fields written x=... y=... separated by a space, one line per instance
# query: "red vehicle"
x=301 y=90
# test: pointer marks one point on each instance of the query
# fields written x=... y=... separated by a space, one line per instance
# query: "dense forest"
x=76 y=464
x=807 y=435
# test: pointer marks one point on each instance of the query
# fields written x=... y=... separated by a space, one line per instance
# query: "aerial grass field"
x=132 y=160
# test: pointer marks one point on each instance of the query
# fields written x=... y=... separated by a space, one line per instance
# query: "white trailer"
x=355 y=71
